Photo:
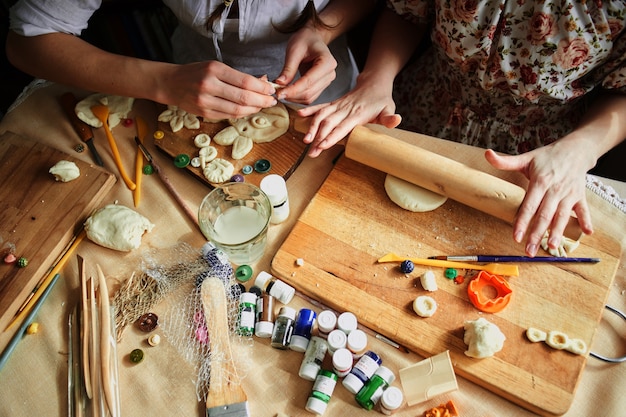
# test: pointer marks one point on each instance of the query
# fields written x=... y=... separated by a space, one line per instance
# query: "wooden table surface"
x=34 y=381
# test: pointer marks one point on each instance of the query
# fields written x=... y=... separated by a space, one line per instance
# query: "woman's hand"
x=307 y=53
x=368 y=102
x=557 y=187
x=214 y=90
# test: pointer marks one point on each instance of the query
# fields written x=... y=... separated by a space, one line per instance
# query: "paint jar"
x=347 y=322
x=362 y=371
x=264 y=316
x=323 y=388
x=274 y=287
x=302 y=330
x=342 y=362
x=391 y=400
x=283 y=328
x=326 y=322
x=313 y=358
x=274 y=186
x=372 y=391
x=337 y=339
x=357 y=343
x=246 y=314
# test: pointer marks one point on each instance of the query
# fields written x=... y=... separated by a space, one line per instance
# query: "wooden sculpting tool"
x=226 y=397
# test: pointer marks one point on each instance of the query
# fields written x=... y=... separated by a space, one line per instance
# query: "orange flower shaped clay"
x=489 y=293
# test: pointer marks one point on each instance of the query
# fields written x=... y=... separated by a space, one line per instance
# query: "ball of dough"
x=65 y=171
x=410 y=196
x=483 y=338
x=117 y=227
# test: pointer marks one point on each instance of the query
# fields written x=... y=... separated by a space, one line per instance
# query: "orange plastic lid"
x=489 y=293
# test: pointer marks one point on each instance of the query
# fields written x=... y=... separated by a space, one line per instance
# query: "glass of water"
x=235 y=217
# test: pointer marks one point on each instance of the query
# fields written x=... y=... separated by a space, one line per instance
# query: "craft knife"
x=68 y=102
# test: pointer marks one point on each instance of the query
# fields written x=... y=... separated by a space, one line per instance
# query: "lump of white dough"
x=428 y=281
x=117 y=227
x=410 y=196
x=483 y=338
x=119 y=107
x=65 y=171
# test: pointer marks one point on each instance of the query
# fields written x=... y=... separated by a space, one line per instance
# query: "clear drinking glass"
x=235 y=217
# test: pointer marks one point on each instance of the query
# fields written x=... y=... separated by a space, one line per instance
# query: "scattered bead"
x=407 y=267
x=32 y=328
x=450 y=273
x=247 y=169
x=154 y=340
x=158 y=134
x=459 y=279
x=80 y=148
x=237 y=178
x=10 y=258
x=195 y=162
x=22 y=262
x=136 y=355
x=148 y=169
x=128 y=122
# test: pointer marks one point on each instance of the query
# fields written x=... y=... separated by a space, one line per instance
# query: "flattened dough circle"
x=410 y=196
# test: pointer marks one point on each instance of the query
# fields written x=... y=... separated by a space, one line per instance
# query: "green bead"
x=451 y=273
x=22 y=262
x=148 y=169
x=136 y=356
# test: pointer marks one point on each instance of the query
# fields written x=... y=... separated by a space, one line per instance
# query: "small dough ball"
x=65 y=171
x=483 y=338
x=201 y=140
x=410 y=196
x=428 y=281
x=117 y=227
x=425 y=306
x=557 y=340
x=535 y=335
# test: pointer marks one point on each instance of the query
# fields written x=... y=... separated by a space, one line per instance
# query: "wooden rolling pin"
x=474 y=188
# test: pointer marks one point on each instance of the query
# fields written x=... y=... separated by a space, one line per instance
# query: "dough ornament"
x=179 y=118
x=218 y=170
x=118 y=106
x=202 y=140
x=425 y=306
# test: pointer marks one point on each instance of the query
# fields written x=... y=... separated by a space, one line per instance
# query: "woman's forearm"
x=69 y=60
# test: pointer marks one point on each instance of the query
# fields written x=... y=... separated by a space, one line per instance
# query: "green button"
x=247 y=169
x=136 y=356
x=450 y=273
x=243 y=273
x=182 y=160
x=262 y=166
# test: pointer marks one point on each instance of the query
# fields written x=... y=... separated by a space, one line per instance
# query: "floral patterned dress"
x=511 y=75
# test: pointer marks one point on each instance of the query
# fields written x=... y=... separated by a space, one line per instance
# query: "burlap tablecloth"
x=34 y=381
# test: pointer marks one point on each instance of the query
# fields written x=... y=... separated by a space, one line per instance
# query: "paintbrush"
x=506 y=258
x=167 y=182
x=226 y=397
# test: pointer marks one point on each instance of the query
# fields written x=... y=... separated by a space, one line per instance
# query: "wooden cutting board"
x=350 y=223
x=284 y=153
x=39 y=215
